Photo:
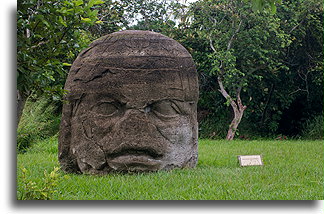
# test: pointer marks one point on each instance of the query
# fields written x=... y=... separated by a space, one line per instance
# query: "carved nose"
x=135 y=132
x=136 y=122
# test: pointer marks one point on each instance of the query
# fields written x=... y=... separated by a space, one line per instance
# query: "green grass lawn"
x=293 y=170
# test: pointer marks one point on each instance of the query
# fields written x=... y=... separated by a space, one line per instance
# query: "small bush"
x=33 y=191
x=313 y=128
x=37 y=122
x=213 y=127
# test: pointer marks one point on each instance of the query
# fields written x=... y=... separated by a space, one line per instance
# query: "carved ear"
x=65 y=156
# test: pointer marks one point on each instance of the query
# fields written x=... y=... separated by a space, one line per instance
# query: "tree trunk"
x=237 y=107
x=21 y=100
x=238 y=114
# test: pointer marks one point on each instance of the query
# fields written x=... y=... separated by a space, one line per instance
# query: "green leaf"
x=86 y=20
x=94 y=2
x=93 y=14
x=68 y=3
x=46 y=23
x=78 y=2
x=66 y=64
x=273 y=8
x=63 y=10
x=62 y=21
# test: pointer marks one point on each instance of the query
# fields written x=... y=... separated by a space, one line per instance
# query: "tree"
x=259 y=5
x=289 y=80
x=152 y=15
x=303 y=21
x=112 y=17
x=49 y=35
x=284 y=101
x=244 y=46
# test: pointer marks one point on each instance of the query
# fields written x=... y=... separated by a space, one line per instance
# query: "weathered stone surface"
x=131 y=106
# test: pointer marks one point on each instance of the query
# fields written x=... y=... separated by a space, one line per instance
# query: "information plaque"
x=250 y=160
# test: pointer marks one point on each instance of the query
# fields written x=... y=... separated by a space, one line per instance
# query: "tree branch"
x=39 y=44
x=214 y=49
x=230 y=42
x=238 y=99
x=211 y=45
x=225 y=94
x=292 y=29
x=299 y=89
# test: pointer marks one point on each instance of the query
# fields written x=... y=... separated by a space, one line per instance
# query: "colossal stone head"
x=131 y=106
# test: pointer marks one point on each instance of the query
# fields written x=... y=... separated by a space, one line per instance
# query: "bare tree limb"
x=211 y=45
x=230 y=42
x=225 y=94
x=39 y=44
x=292 y=29
x=238 y=99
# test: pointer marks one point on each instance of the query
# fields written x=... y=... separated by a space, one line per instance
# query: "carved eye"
x=105 y=108
x=166 y=108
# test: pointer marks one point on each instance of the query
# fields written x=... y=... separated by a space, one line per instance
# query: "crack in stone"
x=102 y=74
x=162 y=134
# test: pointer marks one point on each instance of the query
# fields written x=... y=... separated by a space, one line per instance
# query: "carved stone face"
x=131 y=106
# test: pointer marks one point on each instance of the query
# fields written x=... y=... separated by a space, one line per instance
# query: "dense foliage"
x=275 y=59
x=49 y=37
x=269 y=51
x=50 y=34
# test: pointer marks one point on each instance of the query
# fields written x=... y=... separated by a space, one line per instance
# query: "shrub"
x=313 y=128
x=33 y=191
x=37 y=122
x=213 y=127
